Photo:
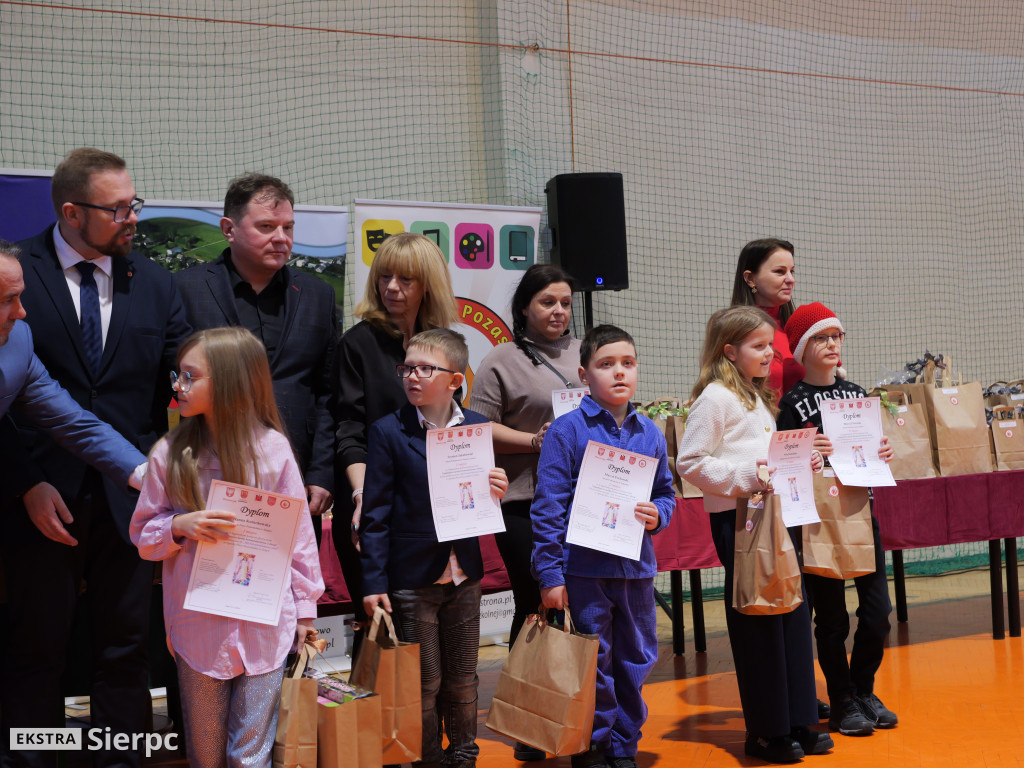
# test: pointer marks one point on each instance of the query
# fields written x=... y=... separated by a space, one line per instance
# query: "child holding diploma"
x=816 y=338
x=728 y=431
x=433 y=587
x=230 y=670
x=610 y=596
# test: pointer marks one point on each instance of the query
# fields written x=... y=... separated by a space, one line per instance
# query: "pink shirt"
x=218 y=646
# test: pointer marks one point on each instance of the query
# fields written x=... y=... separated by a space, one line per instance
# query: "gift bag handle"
x=378 y=615
x=303 y=658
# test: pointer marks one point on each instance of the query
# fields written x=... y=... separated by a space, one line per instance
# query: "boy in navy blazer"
x=433 y=587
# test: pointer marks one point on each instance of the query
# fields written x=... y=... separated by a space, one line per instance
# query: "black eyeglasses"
x=122 y=212
x=422 y=371
x=184 y=380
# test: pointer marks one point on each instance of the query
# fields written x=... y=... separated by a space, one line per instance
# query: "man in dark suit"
x=107 y=323
x=26 y=386
x=294 y=314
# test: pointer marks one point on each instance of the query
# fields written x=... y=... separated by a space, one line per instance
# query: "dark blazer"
x=131 y=390
x=27 y=389
x=301 y=366
x=400 y=547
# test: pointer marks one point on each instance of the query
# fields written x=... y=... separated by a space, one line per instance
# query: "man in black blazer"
x=107 y=323
x=293 y=313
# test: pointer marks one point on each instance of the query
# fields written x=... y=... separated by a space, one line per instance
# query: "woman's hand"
x=822 y=444
x=538 y=439
x=499 y=482
x=647 y=514
x=885 y=452
x=356 y=517
x=211 y=525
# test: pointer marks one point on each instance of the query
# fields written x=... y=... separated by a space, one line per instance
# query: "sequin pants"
x=229 y=723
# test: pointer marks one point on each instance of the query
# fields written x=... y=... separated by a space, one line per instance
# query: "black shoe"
x=850 y=718
x=824 y=710
x=777 y=749
x=527 y=754
x=622 y=762
x=882 y=716
x=812 y=742
x=592 y=758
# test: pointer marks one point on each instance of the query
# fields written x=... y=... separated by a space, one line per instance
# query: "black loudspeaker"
x=587 y=217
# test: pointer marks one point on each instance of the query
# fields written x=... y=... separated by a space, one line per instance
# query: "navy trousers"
x=621 y=612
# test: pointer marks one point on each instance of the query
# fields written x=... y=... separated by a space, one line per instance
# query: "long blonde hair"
x=243 y=405
x=732 y=326
x=410 y=255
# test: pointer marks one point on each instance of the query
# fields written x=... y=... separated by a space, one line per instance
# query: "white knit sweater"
x=721 y=446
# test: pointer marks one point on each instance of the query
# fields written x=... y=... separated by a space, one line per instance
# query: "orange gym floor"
x=959 y=694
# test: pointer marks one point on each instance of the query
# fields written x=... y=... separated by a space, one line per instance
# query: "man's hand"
x=647 y=513
x=320 y=499
x=48 y=513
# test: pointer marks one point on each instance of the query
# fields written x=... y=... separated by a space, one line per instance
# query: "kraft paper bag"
x=349 y=734
x=387 y=666
x=295 y=738
x=906 y=426
x=1008 y=439
x=545 y=693
x=841 y=546
x=960 y=430
x=766 y=573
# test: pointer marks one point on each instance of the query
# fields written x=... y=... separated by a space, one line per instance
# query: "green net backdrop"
x=883 y=139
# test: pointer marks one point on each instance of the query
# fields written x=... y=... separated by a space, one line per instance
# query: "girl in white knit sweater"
x=727 y=435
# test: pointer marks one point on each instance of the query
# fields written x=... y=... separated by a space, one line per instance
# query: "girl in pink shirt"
x=230 y=670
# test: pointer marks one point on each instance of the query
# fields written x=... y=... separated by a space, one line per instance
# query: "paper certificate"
x=855 y=429
x=459 y=460
x=564 y=401
x=793 y=481
x=610 y=484
x=245 y=576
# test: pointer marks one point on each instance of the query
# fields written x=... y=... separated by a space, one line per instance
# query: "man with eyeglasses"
x=107 y=323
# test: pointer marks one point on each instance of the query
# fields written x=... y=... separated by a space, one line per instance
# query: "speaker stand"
x=588 y=310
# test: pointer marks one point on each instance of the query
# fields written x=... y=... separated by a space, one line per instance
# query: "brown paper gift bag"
x=545 y=693
x=766 y=574
x=391 y=668
x=669 y=415
x=349 y=734
x=841 y=546
x=905 y=423
x=295 y=738
x=960 y=431
x=1008 y=438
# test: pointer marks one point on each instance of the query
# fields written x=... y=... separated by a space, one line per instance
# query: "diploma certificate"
x=793 y=481
x=245 y=576
x=565 y=401
x=855 y=429
x=459 y=460
x=610 y=484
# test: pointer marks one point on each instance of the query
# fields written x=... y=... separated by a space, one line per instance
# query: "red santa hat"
x=809 y=320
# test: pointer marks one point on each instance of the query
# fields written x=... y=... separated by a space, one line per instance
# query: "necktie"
x=92 y=327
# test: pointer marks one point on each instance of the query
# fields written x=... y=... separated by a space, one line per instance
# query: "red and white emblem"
x=833 y=490
x=901 y=421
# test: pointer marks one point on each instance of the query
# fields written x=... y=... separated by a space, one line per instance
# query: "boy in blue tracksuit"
x=609 y=596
